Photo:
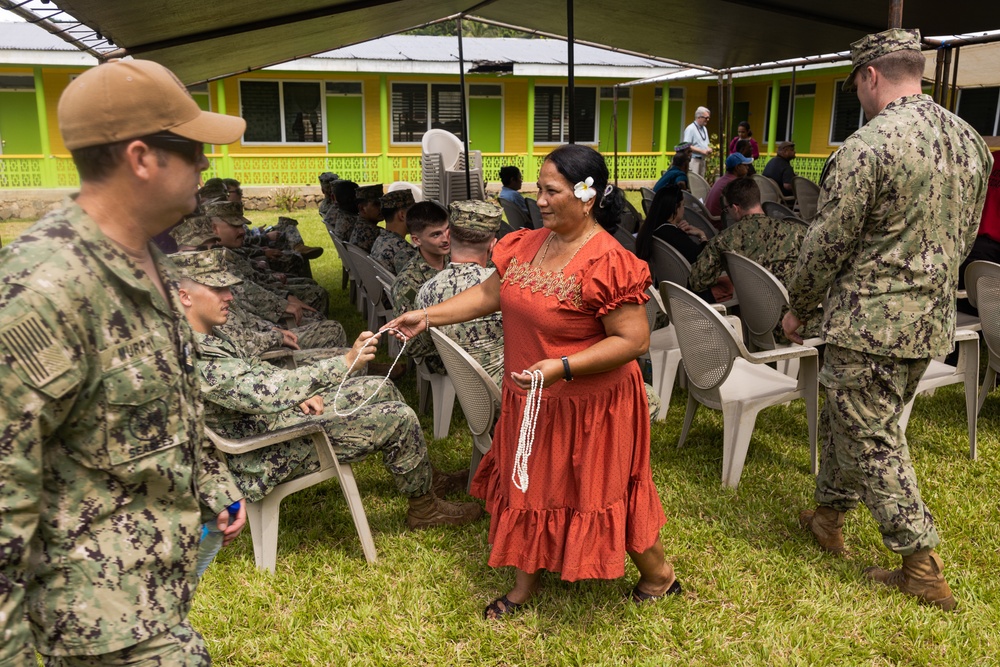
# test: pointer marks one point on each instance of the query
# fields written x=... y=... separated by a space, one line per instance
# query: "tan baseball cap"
x=127 y=99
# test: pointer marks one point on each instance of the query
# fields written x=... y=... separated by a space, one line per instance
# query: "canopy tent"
x=201 y=41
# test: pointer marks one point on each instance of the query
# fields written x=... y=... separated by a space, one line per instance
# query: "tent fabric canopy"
x=201 y=41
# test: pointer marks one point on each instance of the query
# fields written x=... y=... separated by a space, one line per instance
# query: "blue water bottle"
x=211 y=540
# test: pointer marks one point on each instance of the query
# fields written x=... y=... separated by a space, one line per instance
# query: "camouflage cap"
x=213 y=189
x=369 y=192
x=870 y=47
x=230 y=211
x=398 y=199
x=328 y=177
x=207 y=267
x=475 y=215
x=194 y=231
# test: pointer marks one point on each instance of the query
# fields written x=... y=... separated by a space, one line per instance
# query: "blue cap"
x=735 y=160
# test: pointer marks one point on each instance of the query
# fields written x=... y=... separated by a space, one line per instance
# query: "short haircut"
x=508 y=174
x=425 y=214
x=230 y=182
x=95 y=163
x=389 y=213
x=681 y=160
x=702 y=111
x=345 y=192
x=742 y=192
x=898 y=66
x=470 y=237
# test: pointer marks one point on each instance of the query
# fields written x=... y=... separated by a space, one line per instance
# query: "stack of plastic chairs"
x=443 y=169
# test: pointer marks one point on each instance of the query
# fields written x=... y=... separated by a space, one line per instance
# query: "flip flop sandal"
x=500 y=607
x=640 y=597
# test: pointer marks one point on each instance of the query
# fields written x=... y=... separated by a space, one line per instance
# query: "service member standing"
x=106 y=473
x=898 y=211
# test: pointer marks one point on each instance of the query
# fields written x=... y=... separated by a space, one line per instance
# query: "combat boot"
x=428 y=510
x=920 y=577
x=827 y=526
x=308 y=252
x=445 y=483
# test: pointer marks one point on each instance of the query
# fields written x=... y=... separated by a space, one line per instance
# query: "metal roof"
x=201 y=40
x=21 y=36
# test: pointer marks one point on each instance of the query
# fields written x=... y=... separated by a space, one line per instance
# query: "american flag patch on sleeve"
x=30 y=341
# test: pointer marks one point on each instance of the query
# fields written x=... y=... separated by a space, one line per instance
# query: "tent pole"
x=945 y=82
x=571 y=87
x=896 y=14
x=721 y=124
x=953 y=99
x=614 y=127
x=465 y=114
x=790 y=123
x=938 y=66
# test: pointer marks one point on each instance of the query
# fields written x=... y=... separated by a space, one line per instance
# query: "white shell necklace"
x=526 y=437
x=384 y=380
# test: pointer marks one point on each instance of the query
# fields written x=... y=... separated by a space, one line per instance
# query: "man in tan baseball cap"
x=101 y=382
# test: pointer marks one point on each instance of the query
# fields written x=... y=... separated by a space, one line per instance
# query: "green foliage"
x=286 y=198
x=757 y=591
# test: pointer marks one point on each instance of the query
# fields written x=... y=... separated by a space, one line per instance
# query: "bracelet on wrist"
x=567 y=375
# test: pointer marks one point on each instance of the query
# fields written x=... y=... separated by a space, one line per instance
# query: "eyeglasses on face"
x=192 y=151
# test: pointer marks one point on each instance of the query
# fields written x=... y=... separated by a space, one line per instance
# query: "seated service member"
x=390 y=248
x=427 y=223
x=345 y=214
x=366 y=229
x=779 y=168
x=105 y=478
x=473 y=227
x=327 y=205
x=246 y=397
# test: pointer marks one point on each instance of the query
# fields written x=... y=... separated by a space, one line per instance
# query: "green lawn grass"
x=757 y=590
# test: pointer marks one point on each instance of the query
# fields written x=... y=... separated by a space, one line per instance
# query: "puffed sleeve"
x=507 y=248
x=615 y=278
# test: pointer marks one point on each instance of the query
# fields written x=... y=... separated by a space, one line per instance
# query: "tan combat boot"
x=308 y=252
x=920 y=577
x=827 y=526
x=445 y=483
x=428 y=510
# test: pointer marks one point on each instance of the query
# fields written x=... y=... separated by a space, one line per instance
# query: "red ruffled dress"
x=590 y=494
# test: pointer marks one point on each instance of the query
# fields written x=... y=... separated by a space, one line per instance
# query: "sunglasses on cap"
x=192 y=151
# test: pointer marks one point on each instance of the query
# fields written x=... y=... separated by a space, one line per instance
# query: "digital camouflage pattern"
x=864 y=455
x=181 y=646
x=364 y=234
x=194 y=231
x=397 y=198
x=260 y=295
x=343 y=224
x=392 y=251
x=870 y=47
x=898 y=210
x=100 y=403
x=475 y=215
x=404 y=297
x=482 y=337
x=245 y=397
x=305 y=289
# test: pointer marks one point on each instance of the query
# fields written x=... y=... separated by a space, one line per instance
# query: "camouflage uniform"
x=261 y=295
x=898 y=210
x=343 y=224
x=244 y=397
x=482 y=338
x=254 y=335
x=774 y=244
x=305 y=289
x=106 y=476
x=364 y=234
x=392 y=251
x=404 y=297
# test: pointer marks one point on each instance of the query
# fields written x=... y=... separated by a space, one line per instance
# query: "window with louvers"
x=847 y=114
x=978 y=107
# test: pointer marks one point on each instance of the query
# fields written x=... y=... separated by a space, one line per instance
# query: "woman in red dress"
x=572 y=302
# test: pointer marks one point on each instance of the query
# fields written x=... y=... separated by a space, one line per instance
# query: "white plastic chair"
x=443 y=168
x=534 y=213
x=664 y=353
x=698 y=185
x=438 y=388
x=771 y=191
x=263 y=516
x=623 y=237
x=697 y=220
x=349 y=278
x=777 y=211
x=378 y=313
x=940 y=374
x=982 y=281
x=669 y=264
x=477 y=393
x=515 y=216
x=418 y=193
x=723 y=375
x=806 y=197
x=690 y=201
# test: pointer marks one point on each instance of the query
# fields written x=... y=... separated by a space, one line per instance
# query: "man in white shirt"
x=697 y=135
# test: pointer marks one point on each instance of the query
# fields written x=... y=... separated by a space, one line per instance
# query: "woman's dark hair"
x=746 y=126
x=576 y=162
x=508 y=174
x=346 y=194
x=744 y=148
x=665 y=204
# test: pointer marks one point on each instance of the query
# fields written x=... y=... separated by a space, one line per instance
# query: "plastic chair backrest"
x=708 y=344
x=534 y=213
x=515 y=216
x=669 y=264
x=366 y=273
x=777 y=211
x=476 y=391
x=982 y=283
x=806 y=196
x=386 y=287
x=647 y=194
x=418 y=194
x=763 y=299
x=699 y=186
x=626 y=239
x=768 y=189
x=447 y=144
x=696 y=219
x=382 y=272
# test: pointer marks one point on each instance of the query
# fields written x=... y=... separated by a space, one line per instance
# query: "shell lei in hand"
x=584 y=190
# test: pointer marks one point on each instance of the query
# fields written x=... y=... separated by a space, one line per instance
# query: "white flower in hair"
x=584 y=190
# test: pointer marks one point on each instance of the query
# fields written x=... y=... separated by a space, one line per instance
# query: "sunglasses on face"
x=192 y=151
